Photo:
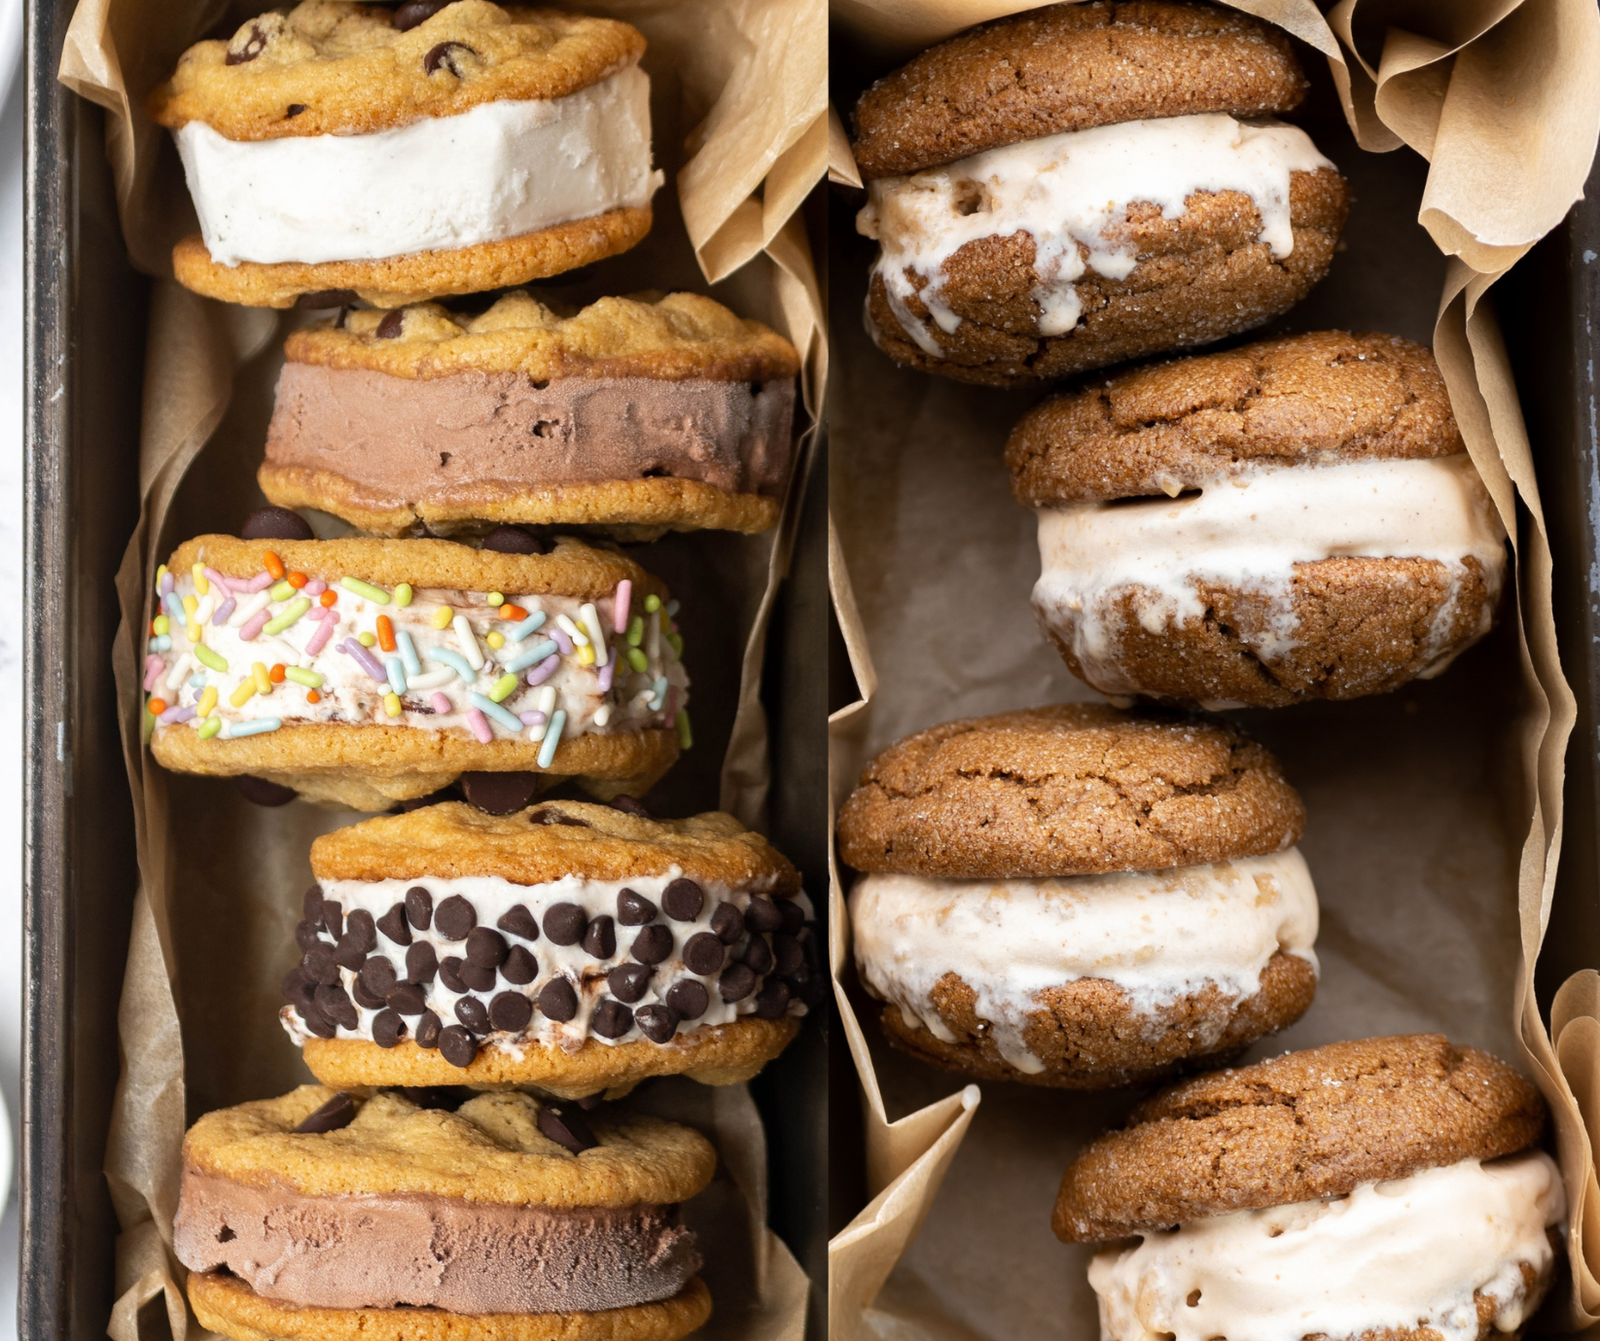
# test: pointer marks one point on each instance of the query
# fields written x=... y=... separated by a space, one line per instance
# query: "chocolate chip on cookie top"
x=1067 y=68
x=326 y=67
x=1298 y=1127
x=1304 y=400
x=1076 y=789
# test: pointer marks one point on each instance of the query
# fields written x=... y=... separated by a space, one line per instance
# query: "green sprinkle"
x=161 y=625
x=676 y=639
x=367 y=639
x=652 y=603
x=281 y=591
x=212 y=725
x=638 y=660
x=504 y=687
x=288 y=617
x=402 y=594
x=635 y=630
x=377 y=595
x=207 y=657
x=685 y=736
x=495 y=598
x=310 y=679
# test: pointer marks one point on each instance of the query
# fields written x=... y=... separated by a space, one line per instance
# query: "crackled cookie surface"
x=629 y=413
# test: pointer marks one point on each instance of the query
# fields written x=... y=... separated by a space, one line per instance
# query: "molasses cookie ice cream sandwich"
x=635 y=415
x=568 y=946
x=324 y=1217
x=1087 y=183
x=338 y=150
x=1291 y=520
x=367 y=672
x=1386 y=1187
x=1078 y=897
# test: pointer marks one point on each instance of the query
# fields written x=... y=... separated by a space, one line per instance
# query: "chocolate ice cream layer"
x=417 y=441
x=464 y=1257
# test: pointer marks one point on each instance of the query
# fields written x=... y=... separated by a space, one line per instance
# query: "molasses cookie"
x=639 y=416
x=321 y=1215
x=1291 y=520
x=1078 y=897
x=339 y=150
x=366 y=672
x=1380 y=1187
x=569 y=946
x=1082 y=184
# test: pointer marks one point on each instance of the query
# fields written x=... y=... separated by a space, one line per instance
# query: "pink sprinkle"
x=260 y=582
x=443 y=706
x=253 y=625
x=606 y=672
x=619 y=616
x=153 y=666
x=480 y=725
x=531 y=718
x=212 y=575
x=313 y=588
x=319 y=639
x=544 y=670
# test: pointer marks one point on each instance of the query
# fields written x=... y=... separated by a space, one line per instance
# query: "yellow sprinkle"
x=495 y=598
x=190 y=605
x=258 y=673
x=402 y=594
x=192 y=628
x=366 y=639
x=442 y=617
x=202 y=584
x=208 y=701
x=586 y=655
x=392 y=704
x=161 y=572
x=162 y=625
x=243 y=694
x=495 y=640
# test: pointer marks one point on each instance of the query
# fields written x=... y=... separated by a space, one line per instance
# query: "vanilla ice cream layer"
x=1070 y=192
x=497 y=171
x=1158 y=935
x=1405 y=1254
x=492 y=897
x=1247 y=531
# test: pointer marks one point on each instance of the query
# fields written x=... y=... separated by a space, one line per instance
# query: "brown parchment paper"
x=740 y=125
x=1434 y=813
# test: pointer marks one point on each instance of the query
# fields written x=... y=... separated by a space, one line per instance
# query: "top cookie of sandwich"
x=1071 y=67
x=1076 y=789
x=1298 y=1127
x=546 y=842
x=328 y=67
x=680 y=336
x=489 y=1150
x=1308 y=399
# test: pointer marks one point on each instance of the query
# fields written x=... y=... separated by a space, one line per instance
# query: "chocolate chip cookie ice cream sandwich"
x=368 y=672
x=573 y=947
x=1386 y=1187
x=325 y=1217
x=1292 y=520
x=1078 y=897
x=1086 y=183
x=635 y=415
x=337 y=151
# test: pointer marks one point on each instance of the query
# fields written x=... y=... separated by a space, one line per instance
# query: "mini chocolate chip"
x=629 y=981
x=311 y=905
x=472 y=1013
x=276 y=524
x=787 y=953
x=306 y=935
x=736 y=983
x=364 y=931
x=427 y=1034
x=458 y=1046
x=348 y=953
x=510 y=1011
x=387 y=1028
x=566 y=1129
x=450 y=973
x=295 y=108
x=254 y=44
x=339 y=1111
x=772 y=1001
x=479 y=977
x=519 y=922
x=393 y=925
x=317 y=1023
x=793 y=918
x=419 y=907
x=634 y=910
x=652 y=944
x=728 y=922
x=333 y=918
x=683 y=900
x=703 y=953
x=657 y=1023
x=413 y=12
x=335 y=1003
x=486 y=947
x=455 y=918
x=628 y=806
x=689 y=998
x=324 y=298
x=444 y=56
x=319 y=965
x=520 y=967
x=758 y=954
x=499 y=793
x=514 y=540
x=762 y=915
x=298 y=989
x=565 y=923
x=378 y=975
x=422 y=962
x=363 y=998
x=260 y=792
x=590 y=1102
x=407 y=998
x=393 y=323
x=600 y=939
x=558 y=1001
x=611 y=1019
